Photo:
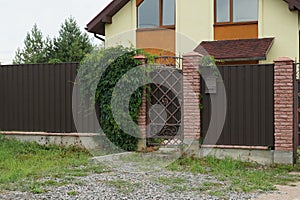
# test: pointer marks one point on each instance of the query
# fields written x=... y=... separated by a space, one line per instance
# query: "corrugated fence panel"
x=298 y=112
x=38 y=97
x=250 y=107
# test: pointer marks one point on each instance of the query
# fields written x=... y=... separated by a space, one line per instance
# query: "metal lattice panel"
x=165 y=101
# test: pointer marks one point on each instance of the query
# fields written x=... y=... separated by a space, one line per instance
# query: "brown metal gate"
x=164 y=107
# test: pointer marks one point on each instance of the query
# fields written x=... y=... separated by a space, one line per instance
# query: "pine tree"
x=71 y=45
x=34 y=50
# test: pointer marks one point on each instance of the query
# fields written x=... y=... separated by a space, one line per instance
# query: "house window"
x=231 y=11
x=223 y=10
x=156 y=13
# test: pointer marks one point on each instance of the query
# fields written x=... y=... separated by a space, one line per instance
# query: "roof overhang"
x=236 y=50
x=97 y=25
x=293 y=4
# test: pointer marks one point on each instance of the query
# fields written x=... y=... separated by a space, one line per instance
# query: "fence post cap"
x=283 y=59
x=138 y=57
x=141 y=58
x=192 y=54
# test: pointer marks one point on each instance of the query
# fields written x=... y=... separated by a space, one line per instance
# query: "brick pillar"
x=191 y=99
x=284 y=110
x=142 y=119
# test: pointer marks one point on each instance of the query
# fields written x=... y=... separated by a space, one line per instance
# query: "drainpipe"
x=100 y=38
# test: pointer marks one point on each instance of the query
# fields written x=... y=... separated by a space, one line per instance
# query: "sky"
x=17 y=17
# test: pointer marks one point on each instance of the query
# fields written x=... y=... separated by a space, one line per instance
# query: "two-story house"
x=235 y=31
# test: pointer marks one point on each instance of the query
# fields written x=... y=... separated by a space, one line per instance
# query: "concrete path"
x=291 y=192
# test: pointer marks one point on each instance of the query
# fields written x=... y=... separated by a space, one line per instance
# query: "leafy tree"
x=35 y=50
x=71 y=45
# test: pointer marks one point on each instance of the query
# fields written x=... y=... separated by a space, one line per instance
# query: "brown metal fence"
x=298 y=103
x=250 y=105
x=38 y=97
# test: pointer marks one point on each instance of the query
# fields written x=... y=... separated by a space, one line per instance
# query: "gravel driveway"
x=132 y=179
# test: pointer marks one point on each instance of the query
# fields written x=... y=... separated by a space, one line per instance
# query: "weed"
x=178 y=188
x=72 y=193
x=217 y=193
x=79 y=174
x=208 y=187
x=123 y=186
x=171 y=181
x=98 y=169
x=37 y=190
x=78 y=182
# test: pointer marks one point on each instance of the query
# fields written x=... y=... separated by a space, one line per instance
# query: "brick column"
x=142 y=122
x=191 y=98
x=142 y=119
x=284 y=110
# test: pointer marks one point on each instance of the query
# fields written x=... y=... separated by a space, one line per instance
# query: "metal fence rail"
x=170 y=61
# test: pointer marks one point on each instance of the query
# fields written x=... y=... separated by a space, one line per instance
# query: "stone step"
x=167 y=150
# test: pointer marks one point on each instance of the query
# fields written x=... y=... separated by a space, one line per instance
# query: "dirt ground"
x=291 y=192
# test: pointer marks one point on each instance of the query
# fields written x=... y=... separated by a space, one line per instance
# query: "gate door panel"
x=164 y=107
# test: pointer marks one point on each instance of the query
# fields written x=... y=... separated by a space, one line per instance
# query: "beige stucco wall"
x=276 y=20
x=194 y=23
x=122 y=29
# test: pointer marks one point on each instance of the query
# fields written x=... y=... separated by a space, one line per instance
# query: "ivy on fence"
x=113 y=63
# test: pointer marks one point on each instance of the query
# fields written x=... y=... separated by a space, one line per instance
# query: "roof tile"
x=243 y=49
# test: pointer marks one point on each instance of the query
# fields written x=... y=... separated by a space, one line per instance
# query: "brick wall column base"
x=142 y=122
x=284 y=110
x=191 y=101
x=142 y=119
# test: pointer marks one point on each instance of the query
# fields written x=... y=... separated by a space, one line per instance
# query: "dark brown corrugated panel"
x=52 y=97
x=250 y=108
x=35 y=96
x=38 y=97
x=68 y=98
x=71 y=82
x=57 y=100
x=31 y=105
x=9 y=93
x=62 y=75
x=2 y=99
x=299 y=112
x=2 y=96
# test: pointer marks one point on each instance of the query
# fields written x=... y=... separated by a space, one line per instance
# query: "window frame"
x=231 y=22
x=139 y=2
